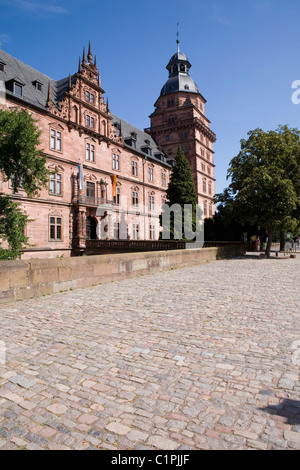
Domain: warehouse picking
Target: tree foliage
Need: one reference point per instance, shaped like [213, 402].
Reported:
[20, 157]
[265, 181]
[22, 162]
[12, 225]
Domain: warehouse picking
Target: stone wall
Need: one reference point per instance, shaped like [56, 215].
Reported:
[36, 277]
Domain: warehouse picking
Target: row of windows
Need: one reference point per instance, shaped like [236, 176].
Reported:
[183, 135]
[55, 188]
[55, 230]
[135, 231]
[56, 144]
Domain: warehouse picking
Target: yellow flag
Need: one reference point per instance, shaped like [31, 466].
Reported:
[114, 185]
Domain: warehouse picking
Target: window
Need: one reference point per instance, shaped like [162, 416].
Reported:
[55, 140]
[135, 231]
[90, 97]
[204, 185]
[56, 184]
[116, 230]
[209, 188]
[167, 138]
[18, 90]
[2, 66]
[163, 179]
[170, 103]
[55, 228]
[134, 168]
[150, 174]
[117, 196]
[90, 190]
[87, 120]
[152, 232]
[92, 122]
[20, 184]
[151, 202]
[135, 198]
[116, 161]
[172, 120]
[90, 152]
[184, 135]
[205, 208]
[210, 209]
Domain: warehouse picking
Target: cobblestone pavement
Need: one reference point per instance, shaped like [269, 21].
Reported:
[203, 357]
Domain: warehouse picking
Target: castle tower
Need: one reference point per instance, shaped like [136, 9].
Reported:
[179, 120]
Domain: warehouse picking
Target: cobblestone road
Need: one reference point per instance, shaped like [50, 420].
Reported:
[206, 357]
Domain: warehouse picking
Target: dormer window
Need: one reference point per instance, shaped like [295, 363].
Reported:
[18, 89]
[2, 66]
[38, 85]
[147, 150]
[15, 85]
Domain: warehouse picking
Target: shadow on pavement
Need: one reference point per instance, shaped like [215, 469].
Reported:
[290, 409]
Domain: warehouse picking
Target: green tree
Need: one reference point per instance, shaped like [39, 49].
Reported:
[182, 199]
[265, 181]
[22, 162]
[12, 224]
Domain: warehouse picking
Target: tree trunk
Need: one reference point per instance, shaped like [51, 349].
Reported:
[282, 241]
[268, 248]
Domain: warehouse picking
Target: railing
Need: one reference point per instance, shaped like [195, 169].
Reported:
[93, 201]
[127, 246]
[94, 247]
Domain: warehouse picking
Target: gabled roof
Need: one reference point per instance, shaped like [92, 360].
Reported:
[15, 70]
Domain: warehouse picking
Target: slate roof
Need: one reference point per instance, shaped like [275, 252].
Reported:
[15, 70]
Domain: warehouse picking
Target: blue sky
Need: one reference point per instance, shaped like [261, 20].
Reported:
[245, 55]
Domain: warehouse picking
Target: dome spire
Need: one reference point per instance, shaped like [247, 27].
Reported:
[177, 41]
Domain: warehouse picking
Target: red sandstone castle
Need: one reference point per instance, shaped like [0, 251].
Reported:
[108, 179]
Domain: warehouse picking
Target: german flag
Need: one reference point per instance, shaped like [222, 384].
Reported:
[114, 185]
